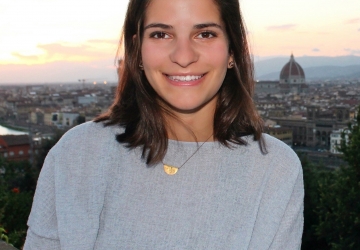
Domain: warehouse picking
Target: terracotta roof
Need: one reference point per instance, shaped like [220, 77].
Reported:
[14, 140]
[292, 70]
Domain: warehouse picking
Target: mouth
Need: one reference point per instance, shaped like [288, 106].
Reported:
[185, 78]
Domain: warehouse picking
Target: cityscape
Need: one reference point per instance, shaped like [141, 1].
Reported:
[308, 116]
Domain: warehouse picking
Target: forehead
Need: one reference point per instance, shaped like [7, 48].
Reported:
[182, 12]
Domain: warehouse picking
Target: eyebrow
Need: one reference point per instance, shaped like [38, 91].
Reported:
[158, 25]
[197, 26]
[207, 25]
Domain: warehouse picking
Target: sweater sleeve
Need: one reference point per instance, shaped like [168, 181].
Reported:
[289, 233]
[42, 222]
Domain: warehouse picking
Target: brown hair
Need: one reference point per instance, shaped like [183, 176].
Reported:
[135, 107]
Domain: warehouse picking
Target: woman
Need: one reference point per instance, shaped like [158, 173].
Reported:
[179, 161]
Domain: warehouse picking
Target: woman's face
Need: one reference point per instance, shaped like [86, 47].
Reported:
[185, 52]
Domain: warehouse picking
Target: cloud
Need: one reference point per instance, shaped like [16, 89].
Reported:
[102, 41]
[284, 27]
[71, 52]
[52, 52]
[359, 29]
[352, 51]
[352, 21]
[315, 50]
[25, 58]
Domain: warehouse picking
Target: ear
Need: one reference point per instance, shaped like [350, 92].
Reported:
[231, 62]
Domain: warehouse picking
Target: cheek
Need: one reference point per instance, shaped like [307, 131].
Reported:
[151, 60]
[151, 55]
[217, 54]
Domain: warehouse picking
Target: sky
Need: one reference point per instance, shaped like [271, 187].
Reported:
[48, 40]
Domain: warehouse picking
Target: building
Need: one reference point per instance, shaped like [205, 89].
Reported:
[64, 119]
[335, 140]
[292, 73]
[87, 100]
[15, 147]
[37, 116]
[291, 80]
[283, 134]
[314, 130]
[267, 87]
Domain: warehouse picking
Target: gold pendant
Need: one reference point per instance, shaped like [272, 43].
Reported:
[170, 170]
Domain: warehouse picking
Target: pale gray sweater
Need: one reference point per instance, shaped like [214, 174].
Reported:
[94, 193]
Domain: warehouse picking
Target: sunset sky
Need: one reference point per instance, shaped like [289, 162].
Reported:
[38, 32]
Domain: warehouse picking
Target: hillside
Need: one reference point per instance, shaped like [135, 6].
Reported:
[314, 67]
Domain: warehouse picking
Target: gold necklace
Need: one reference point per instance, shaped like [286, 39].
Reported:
[171, 170]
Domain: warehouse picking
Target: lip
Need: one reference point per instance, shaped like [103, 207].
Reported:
[185, 83]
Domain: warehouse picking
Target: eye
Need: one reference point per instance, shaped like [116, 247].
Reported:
[206, 34]
[159, 35]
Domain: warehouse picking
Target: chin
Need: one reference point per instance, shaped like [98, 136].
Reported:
[186, 108]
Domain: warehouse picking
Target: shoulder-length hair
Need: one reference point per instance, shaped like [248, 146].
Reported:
[135, 107]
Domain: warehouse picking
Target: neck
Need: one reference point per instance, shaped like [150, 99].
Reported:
[191, 127]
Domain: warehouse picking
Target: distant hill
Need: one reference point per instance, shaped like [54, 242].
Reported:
[61, 71]
[323, 72]
[314, 67]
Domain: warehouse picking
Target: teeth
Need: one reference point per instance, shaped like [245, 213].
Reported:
[185, 78]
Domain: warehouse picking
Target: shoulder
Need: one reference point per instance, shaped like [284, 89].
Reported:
[87, 136]
[90, 129]
[277, 157]
[74, 177]
[272, 147]
[277, 148]
[86, 147]
[84, 152]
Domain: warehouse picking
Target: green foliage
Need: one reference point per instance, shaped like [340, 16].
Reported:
[19, 175]
[17, 184]
[312, 176]
[332, 198]
[338, 208]
[3, 235]
[17, 238]
[15, 214]
[16, 210]
[45, 148]
[80, 119]
[351, 147]
[17, 187]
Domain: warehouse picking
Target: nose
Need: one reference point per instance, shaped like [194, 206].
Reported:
[184, 52]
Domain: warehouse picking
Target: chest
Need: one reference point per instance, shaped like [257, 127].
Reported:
[206, 205]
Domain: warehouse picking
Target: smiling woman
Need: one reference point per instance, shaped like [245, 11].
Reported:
[185, 58]
[179, 161]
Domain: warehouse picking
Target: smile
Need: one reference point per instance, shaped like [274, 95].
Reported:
[187, 78]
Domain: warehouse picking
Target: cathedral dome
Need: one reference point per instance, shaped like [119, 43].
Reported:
[292, 72]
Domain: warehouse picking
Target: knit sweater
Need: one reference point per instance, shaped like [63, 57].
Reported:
[94, 193]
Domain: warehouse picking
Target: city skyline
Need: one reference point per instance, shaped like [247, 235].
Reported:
[42, 33]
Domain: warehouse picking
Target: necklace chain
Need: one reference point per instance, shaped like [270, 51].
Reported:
[171, 170]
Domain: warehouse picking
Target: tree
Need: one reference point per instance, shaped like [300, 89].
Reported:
[339, 206]
[17, 184]
[351, 147]
[80, 119]
[313, 175]
[17, 187]
[46, 145]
